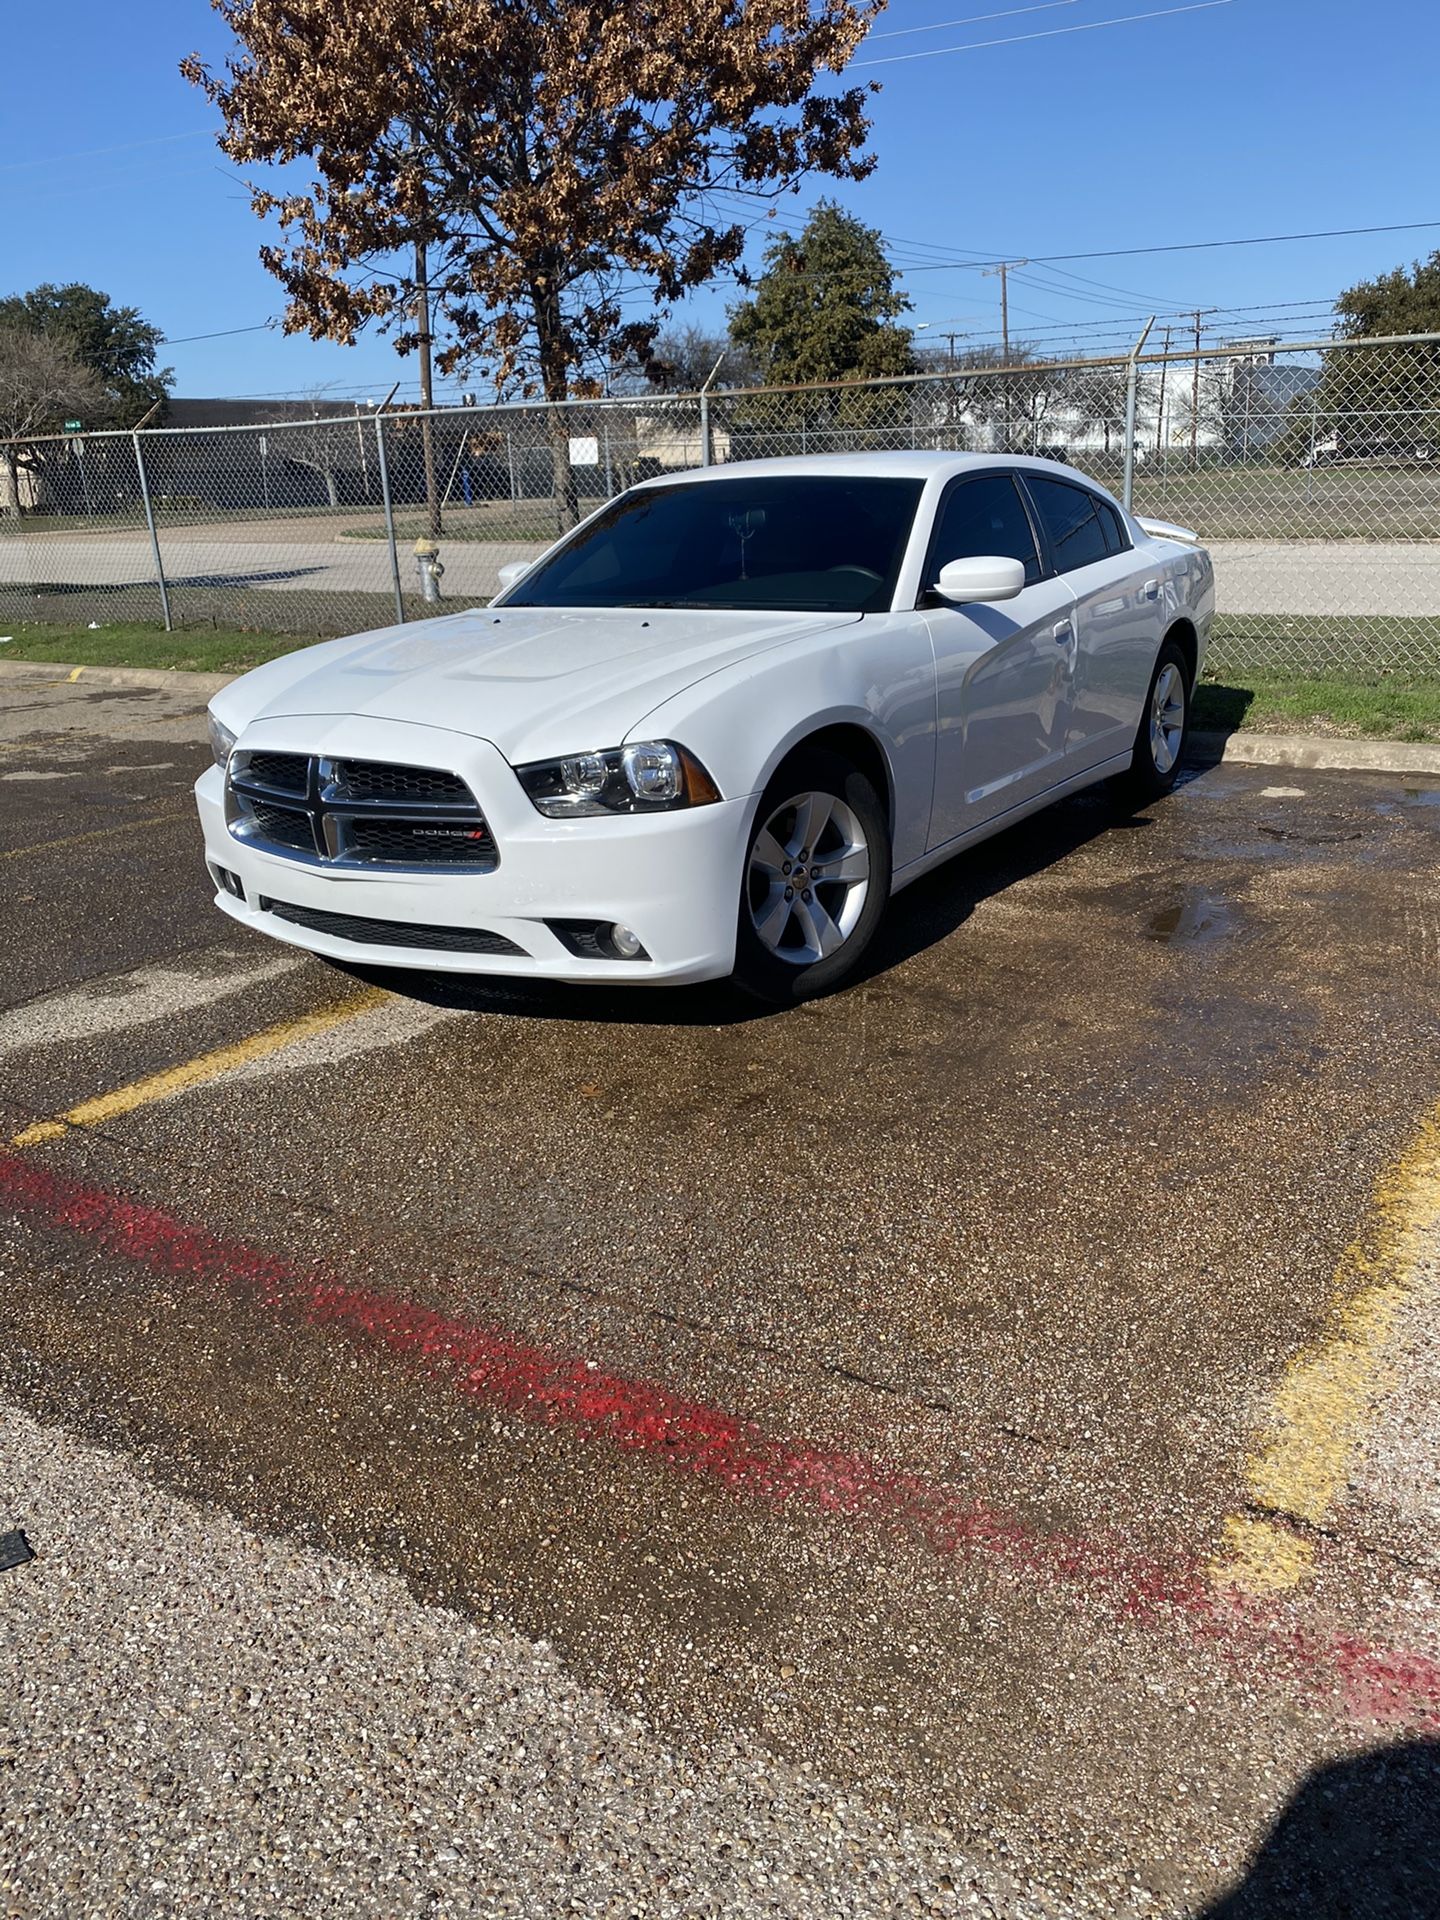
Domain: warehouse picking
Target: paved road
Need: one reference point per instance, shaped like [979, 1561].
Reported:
[1276, 577]
[848, 1423]
[292, 559]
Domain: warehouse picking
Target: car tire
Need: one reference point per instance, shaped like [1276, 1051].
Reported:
[1164, 727]
[810, 903]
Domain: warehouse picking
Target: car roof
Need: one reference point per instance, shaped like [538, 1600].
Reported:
[904, 464]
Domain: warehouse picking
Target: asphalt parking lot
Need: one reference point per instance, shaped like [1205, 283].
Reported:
[967, 1445]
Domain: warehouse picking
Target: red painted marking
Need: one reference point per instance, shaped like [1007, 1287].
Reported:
[489, 1364]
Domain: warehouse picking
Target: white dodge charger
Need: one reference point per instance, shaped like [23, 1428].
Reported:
[713, 729]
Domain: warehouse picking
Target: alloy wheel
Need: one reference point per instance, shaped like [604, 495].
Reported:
[1167, 718]
[808, 878]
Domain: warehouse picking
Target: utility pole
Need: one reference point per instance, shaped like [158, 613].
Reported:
[1200, 313]
[949, 339]
[427, 396]
[1005, 268]
[1160, 411]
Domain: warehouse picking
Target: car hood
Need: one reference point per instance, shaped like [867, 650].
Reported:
[532, 680]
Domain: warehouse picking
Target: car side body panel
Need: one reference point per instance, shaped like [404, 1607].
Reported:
[1119, 625]
[1003, 678]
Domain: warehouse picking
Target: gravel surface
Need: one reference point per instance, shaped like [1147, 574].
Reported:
[202, 1721]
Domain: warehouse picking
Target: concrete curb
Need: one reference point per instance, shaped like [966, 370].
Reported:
[1317, 754]
[141, 679]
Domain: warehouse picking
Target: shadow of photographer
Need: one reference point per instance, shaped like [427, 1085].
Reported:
[1358, 1840]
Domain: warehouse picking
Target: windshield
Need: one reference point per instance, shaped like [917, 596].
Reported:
[804, 542]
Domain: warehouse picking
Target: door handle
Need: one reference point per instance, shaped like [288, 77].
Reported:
[1151, 590]
[1065, 633]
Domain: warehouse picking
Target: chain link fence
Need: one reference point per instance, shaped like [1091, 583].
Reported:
[1312, 473]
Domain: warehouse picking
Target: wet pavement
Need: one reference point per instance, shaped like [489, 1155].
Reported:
[873, 1383]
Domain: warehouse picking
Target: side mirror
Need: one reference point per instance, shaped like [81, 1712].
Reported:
[984, 577]
[512, 571]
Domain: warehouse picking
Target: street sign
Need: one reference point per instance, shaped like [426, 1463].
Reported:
[73, 426]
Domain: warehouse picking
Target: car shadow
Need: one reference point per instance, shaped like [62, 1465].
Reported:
[937, 905]
[1221, 709]
[1358, 1840]
[925, 913]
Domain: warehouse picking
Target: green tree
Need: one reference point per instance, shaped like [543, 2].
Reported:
[1401, 301]
[826, 306]
[1377, 401]
[116, 344]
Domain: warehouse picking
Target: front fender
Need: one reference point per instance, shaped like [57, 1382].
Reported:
[878, 675]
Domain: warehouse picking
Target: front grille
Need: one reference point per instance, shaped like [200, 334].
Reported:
[392, 933]
[374, 780]
[285, 826]
[356, 813]
[286, 772]
[414, 843]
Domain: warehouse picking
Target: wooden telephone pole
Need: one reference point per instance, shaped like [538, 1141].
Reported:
[1005, 268]
[1160, 411]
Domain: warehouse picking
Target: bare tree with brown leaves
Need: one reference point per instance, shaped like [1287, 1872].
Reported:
[41, 380]
[512, 170]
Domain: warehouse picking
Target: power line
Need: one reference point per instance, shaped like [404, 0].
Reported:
[971, 19]
[1283, 312]
[980, 262]
[1182, 246]
[1048, 33]
[1092, 297]
[225, 333]
[96, 153]
[1131, 293]
[1080, 295]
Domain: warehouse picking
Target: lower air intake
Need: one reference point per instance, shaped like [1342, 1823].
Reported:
[391, 933]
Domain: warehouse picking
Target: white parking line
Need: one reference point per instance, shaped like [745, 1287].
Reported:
[121, 1001]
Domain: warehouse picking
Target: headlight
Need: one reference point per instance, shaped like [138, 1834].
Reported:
[653, 776]
[221, 739]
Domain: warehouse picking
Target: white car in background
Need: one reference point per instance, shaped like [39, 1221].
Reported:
[713, 729]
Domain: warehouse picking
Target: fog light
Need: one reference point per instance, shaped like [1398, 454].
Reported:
[229, 881]
[598, 939]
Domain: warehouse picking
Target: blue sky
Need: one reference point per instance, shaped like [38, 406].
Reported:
[1251, 117]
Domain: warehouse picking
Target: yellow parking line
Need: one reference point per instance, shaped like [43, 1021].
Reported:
[73, 675]
[1319, 1410]
[194, 1073]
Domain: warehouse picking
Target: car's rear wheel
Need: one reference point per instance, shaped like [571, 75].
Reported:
[817, 877]
[1164, 725]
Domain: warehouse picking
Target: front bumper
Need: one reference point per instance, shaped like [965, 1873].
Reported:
[672, 877]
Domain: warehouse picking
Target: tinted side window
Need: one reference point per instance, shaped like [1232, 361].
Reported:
[1071, 517]
[984, 516]
[1117, 540]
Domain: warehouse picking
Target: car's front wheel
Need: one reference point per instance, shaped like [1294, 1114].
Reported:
[817, 877]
